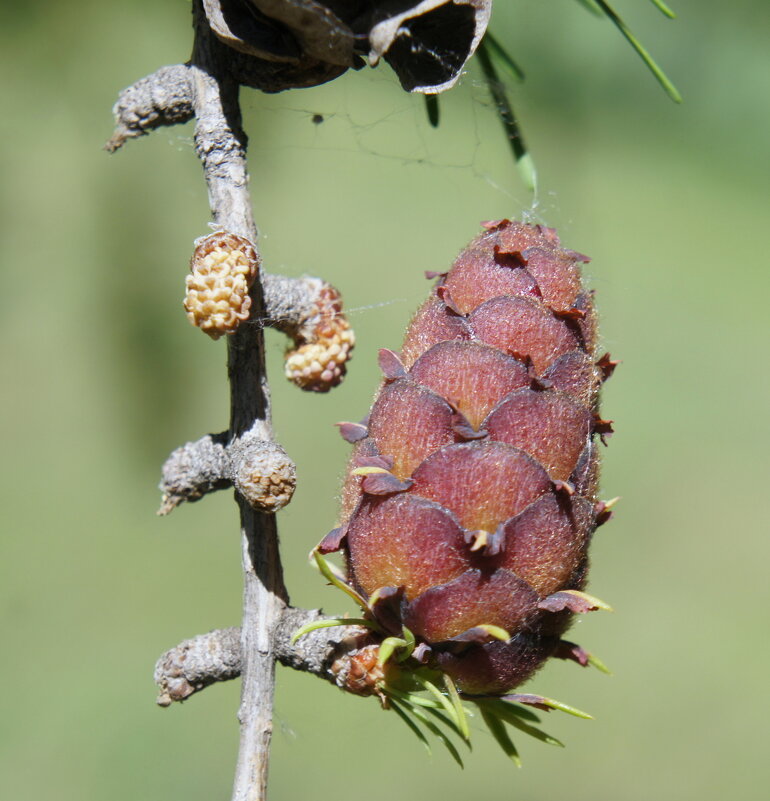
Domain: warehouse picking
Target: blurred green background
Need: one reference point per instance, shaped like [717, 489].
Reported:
[103, 377]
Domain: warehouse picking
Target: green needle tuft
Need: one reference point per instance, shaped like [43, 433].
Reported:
[541, 702]
[594, 661]
[497, 730]
[457, 718]
[412, 698]
[661, 76]
[328, 573]
[388, 647]
[504, 56]
[502, 709]
[410, 640]
[434, 729]
[507, 117]
[570, 710]
[454, 697]
[663, 8]
[333, 621]
[533, 732]
[411, 724]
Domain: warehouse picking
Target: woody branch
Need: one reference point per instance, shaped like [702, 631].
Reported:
[206, 90]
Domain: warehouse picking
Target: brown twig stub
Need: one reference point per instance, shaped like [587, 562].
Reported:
[290, 302]
[163, 98]
[196, 663]
[193, 470]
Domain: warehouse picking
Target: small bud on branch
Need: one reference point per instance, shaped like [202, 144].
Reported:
[259, 469]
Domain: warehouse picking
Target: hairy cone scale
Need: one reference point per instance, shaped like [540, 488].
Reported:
[471, 493]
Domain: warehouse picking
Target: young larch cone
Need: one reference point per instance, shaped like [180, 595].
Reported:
[222, 269]
[470, 498]
[325, 340]
[360, 671]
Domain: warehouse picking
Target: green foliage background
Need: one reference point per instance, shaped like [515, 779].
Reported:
[103, 376]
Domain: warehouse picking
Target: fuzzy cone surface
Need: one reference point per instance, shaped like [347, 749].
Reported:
[471, 492]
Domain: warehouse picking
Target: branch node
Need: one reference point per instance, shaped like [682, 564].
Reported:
[329, 653]
[262, 472]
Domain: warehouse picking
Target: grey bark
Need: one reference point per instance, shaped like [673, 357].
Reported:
[195, 469]
[209, 658]
[196, 663]
[212, 462]
[259, 469]
[220, 144]
[163, 98]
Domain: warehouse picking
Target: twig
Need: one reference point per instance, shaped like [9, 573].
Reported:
[210, 658]
[246, 456]
[259, 469]
[196, 663]
[220, 143]
[163, 98]
[194, 470]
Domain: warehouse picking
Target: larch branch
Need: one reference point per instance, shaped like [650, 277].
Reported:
[220, 144]
[214, 657]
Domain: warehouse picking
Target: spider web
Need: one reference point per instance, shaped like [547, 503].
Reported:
[368, 114]
[365, 119]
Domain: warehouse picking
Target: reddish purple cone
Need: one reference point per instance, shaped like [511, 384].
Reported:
[472, 487]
